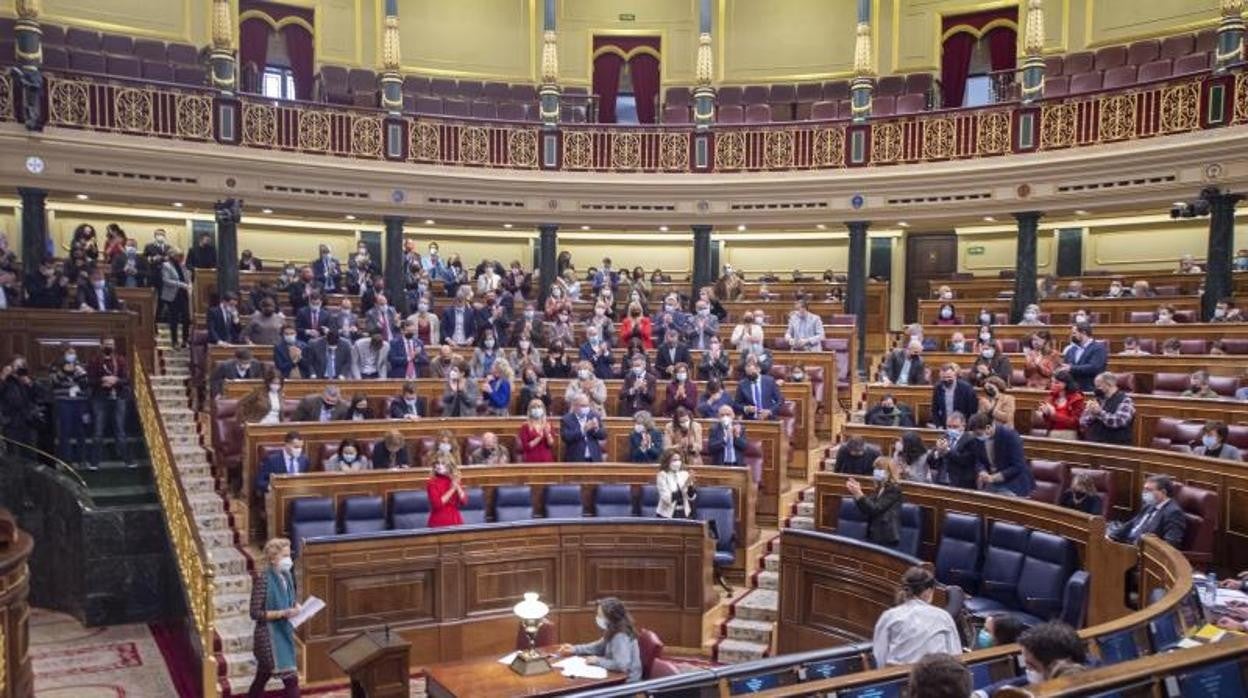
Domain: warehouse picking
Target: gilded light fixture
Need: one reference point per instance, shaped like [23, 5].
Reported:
[224, 65]
[550, 57]
[28, 10]
[1033, 45]
[705, 63]
[863, 84]
[703, 92]
[1230, 49]
[862, 51]
[391, 82]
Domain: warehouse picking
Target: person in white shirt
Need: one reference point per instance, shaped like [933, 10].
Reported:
[748, 331]
[805, 331]
[675, 484]
[907, 632]
[370, 356]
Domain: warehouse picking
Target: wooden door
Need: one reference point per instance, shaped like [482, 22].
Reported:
[929, 258]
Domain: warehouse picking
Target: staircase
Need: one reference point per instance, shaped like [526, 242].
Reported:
[750, 631]
[230, 564]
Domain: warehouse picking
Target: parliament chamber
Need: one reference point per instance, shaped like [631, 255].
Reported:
[853, 348]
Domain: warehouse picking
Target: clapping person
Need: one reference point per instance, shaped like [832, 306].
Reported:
[484, 355]
[638, 392]
[727, 441]
[460, 396]
[597, 353]
[676, 487]
[587, 384]
[645, 444]
[636, 324]
[883, 506]
[536, 440]
[496, 389]
[1062, 407]
[715, 398]
[1040, 360]
[683, 434]
[758, 395]
[581, 431]
[703, 327]
[129, 267]
[557, 364]
[671, 353]
[533, 386]
[681, 392]
[913, 457]
[446, 495]
[288, 355]
[714, 362]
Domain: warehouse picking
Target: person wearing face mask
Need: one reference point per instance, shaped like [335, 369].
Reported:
[684, 435]
[129, 267]
[952, 394]
[1085, 357]
[645, 443]
[303, 285]
[677, 491]
[1031, 316]
[914, 627]
[1049, 650]
[330, 356]
[1004, 468]
[944, 293]
[1116, 291]
[1165, 316]
[408, 405]
[224, 326]
[1083, 495]
[914, 458]
[382, 317]
[359, 409]
[69, 389]
[348, 458]
[288, 460]
[46, 287]
[887, 413]
[242, 367]
[490, 452]
[990, 362]
[1074, 290]
[997, 402]
[1213, 443]
[109, 377]
[883, 506]
[265, 325]
[524, 355]
[905, 366]
[486, 351]
[407, 358]
[618, 649]
[958, 344]
[714, 362]
[536, 440]
[1198, 387]
[582, 432]
[636, 324]
[639, 390]
[1110, 417]
[947, 315]
[715, 398]
[681, 391]
[326, 407]
[985, 337]
[805, 331]
[1159, 514]
[533, 386]
[390, 453]
[274, 601]
[248, 261]
[97, 294]
[999, 629]
[958, 455]
[370, 357]
[557, 364]
[758, 394]
[461, 396]
[460, 323]
[496, 389]
[703, 327]
[175, 295]
[670, 316]
[263, 405]
[855, 457]
[313, 319]
[289, 354]
[1225, 311]
[727, 442]
[327, 270]
[1040, 360]
[446, 494]
[671, 353]
[155, 252]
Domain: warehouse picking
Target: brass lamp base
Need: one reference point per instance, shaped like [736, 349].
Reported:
[530, 663]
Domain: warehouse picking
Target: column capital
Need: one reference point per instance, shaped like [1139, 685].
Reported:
[858, 226]
[391, 220]
[1026, 216]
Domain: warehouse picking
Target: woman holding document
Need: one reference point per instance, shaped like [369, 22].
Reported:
[617, 650]
[273, 604]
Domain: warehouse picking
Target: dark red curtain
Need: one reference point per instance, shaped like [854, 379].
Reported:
[301, 51]
[1002, 48]
[607, 67]
[955, 65]
[253, 42]
[645, 71]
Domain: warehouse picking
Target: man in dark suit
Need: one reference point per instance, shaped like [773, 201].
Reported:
[241, 367]
[597, 351]
[727, 441]
[97, 294]
[313, 319]
[670, 353]
[326, 407]
[288, 461]
[959, 455]
[407, 354]
[284, 359]
[1007, 470]
[1159, 515]
[155, 253]
[952, 394]
[639, 389]
[581, 431]
[224, 326]
[408, 406]
[1085, 357]
[459, 323]
[330, 356]
[758, 395]
[302, 288]
[326, 270]
[905, 366]
[129, 267]
[855, 457]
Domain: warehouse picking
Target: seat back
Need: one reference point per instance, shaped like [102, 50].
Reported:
[1003, 562]
[755, 94]
[890, 86]
[728, 96]
[1111, 57]
[650, 646]
[474, 511]
[310, 517]
[836, 90]
[911, 529]
[513, 503]
[1177, 46]
[1120, 76]
[715, 505]
[1142, 52]
[1085, 82]
[613, 500]
[885, 105]
[1224, 385]
[363, 514]
[758, 114]
[1192, 63]
[1189, 347]
[1075, 599]
[851, 522]
[1050, 477]
[564, 502]
[1058, 86]
[409, 509]
[958, 555]
[1156, 70]
[911, 103]
[1048, 563]
[1200, 507]
[182, 54]
[149, 50]
[730, 114]
[1079, 62]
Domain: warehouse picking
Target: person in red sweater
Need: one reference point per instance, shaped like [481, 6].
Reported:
[536, 439]
[446, 496]
[1062, 408]
[637, 325]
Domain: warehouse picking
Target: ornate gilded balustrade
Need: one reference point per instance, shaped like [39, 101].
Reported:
[194, 567]
[1180, 105]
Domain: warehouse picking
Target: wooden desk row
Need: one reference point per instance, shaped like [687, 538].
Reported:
[988, 287]
[17, 676]
[1216, 365]
[1129, 467]
[285, 488]
[769, 434]
[38, 334]
[1112, 311]
[450, 591]
[1114, 333]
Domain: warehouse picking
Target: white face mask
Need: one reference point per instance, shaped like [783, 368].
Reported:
[444, 448]
[440, 469]
[602, 622]
[677, 465]
[682, 377]
[879, 474]
[285, 564]
[583, 374]
[349, 457]
[726, 421]
[639, 428]
[537, 414]
[1034, 677]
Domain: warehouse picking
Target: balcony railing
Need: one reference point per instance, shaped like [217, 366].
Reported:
[104, 104]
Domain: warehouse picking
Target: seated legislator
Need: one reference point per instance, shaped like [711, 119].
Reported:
[1159, 514]
[1198, 387]
[638, 392]
[409, 405]
[390, 452]
[1082, 495]
[939, 675]
[855, 457]
[287, 461]
[883, 506]
[1048, 649]
[263, 405]
[758, 395]
[359, 409]
[1085, 357]
[1225, 311]
[1109, 418]
[97, 294]
[887, 413]
[446, 496]
[645, 444]
[1006, 469]
[727, 440]
[991, 362]
[1131, 347]
[1213, 443]
[536, 439]
[490, 452]
[957, 344]
[618, 649]
[676, 488]
[715, 398]
[952, 394]
[242, 367]
[289, 357]
[348, 458]
[681, 392]
[905, 366]
[326, 407]
[1031, 316]
[947, 315]
[581, 431]
[914, 628]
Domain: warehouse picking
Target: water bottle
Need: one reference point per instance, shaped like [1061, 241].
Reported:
[1211, 582]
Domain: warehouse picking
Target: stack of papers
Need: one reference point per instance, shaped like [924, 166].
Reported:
[578, 668]
[1207, 634]
[311, 607]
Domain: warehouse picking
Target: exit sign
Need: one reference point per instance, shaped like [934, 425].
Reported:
[975, 251]
[628, 18]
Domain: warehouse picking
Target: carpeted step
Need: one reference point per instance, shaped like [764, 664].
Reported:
[190, 454]
[232, 584]
[217, 538]
[196, 483]
[231, 604]
[758, 631]
[235, 633]
[759, 604]
[166, 379]
[206, 503]
[737, 651]
[189, 438]
[807, 495]
[769, 580]
[802, 523]
[771, 562]
[228, 561]
[805, 508]
[216, 520]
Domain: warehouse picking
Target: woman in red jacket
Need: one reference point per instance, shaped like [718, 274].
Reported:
[536, 440]
[637, 325]
[1061, 409]
[446, 496]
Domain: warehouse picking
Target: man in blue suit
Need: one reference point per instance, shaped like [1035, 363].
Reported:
[407, 354]
[326, 270]
[758, 394]
[1006, 470]
[313, 319]
[952, 394]
[284, 360]
[581, 430]
[1085, 357]
[459, 323]
[224, 326]
[288, 461]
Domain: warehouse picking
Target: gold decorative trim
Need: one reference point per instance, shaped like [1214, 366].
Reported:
[1117, 118]
[627, 56]
[194, 116]
[522, 148]
[979, 33]
[366, 137]
[425, 141]
[133, 110]
[992, 133]
[829, 147]
[578, 150]
[1241, 98]
[277, 24]
[6, 96]
[886, 143]
[259, 125]
[1057, 126]
[730, 150]
[938, 139]
[4, 657]
[778, 150]
[674, 151]
[625, 150]
[1180, 107]
[68, 103]
[474, 145]
[314, 131]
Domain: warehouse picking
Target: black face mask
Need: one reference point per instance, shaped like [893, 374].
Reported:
[887, 409]
[1099, 393]
[948, 382]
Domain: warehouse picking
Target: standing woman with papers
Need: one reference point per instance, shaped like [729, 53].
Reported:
[273, 604]
[617, 649]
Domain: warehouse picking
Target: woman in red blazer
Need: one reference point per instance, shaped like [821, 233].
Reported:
[446, 496]
[638, 325]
